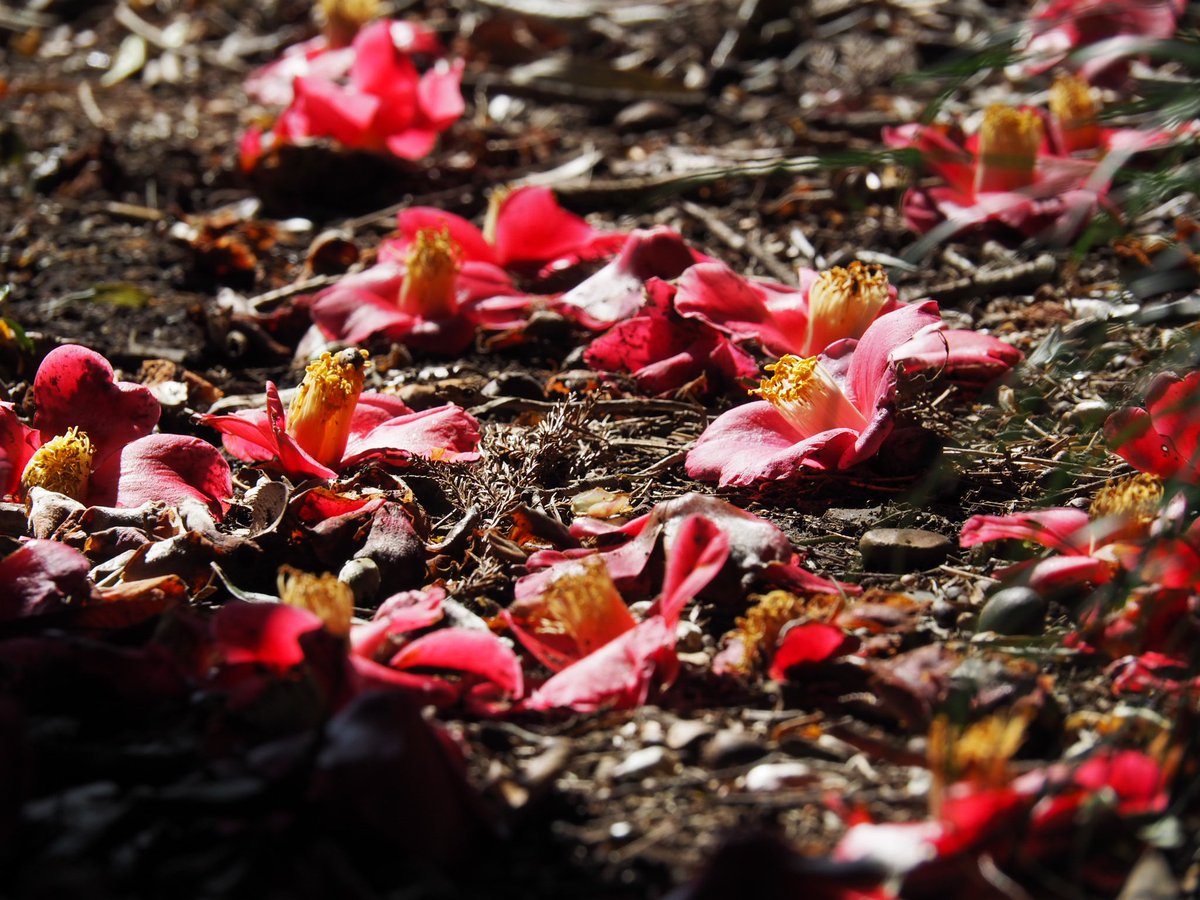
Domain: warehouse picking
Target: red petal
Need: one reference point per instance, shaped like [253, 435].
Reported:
[40, 576]
[1058, 528]
[264, 633]
[478, 652]
[532, 228]
[167, 467]
[448, 433]
[814, 642]
[697, 553]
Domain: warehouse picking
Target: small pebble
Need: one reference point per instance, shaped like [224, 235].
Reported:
[731, 748]
[686, 733]
[1089, 413]
[1015, 610]
[902, 549]
[646, 114]
[776, 776]
[642, 762]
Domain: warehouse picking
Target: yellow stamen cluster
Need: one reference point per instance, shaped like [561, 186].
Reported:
[808, 397]
[330, 600]
[1074, 113]
[582, 605]
[842, 302]
[980, 752]
[759, 629]
[1137, 499]
[431, 275]
[63, 464]
[1008, 146]
[319, 415]
[341, 19]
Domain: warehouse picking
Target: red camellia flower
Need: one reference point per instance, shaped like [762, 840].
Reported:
[830, 411]
[91, 440]
[1056, 27]
[433, 300]
[332, 424]
[1164, 437]
[371, 98]
[526, 232]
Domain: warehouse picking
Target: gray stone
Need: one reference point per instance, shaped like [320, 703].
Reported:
[1015, 610]
[642, 762]
[902, 549]
[731, 748]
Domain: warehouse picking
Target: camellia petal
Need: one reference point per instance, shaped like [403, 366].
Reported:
[42, 576]
[458, 649]
[171, 468]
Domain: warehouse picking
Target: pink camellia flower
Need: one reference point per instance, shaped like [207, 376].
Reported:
[1164, 437]
[1004, 173]
[332, 424]
[1057, 27]
[831, 411]
[579, 626]
[526, 232]
[433, 300]
[666, 352]
[385, 103]
[91, 440]
[828, 306]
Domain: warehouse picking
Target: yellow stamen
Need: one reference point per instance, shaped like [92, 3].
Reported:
[319, 416]
[582, 605]
[496, 201]
[808, 397]
[759, 629]
[842, 302]
[343, 18]
[1074, 113]
[1135, 499]
[1008, 146]
[431, 275]
[332, 601]
[63, 464]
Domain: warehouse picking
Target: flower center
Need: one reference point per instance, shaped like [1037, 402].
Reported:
[432, 267]
[1074, 113]
[63, 464]
[319, 416]
[759, 629]
[581, 608]
[807, 396]
[1133, 503]
[1008, 146]
[842, 302]
[330, 600]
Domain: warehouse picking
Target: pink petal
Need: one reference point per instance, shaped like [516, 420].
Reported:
[74, 386]
[775, 315]
[1060, 529]
[18, 442]
[412, 142]
[619, 675]
[292, 459]
[418, 218]
[959, 354]
[40, 577]
[478, 652]
[169, 468]
[1174, 405]
[324, 109]
[870, 374]
[814, 642]
[399, 614]
[532, 228]
[439, 95]
[448, 433]
[379, 67]
[246, 435]
[264, 633]
[698, 552]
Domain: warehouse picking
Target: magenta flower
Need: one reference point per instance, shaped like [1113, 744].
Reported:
[1057, 27]
[526, 233]
[831, 411]
[91, 440]
[666, 352]
[331, 424]
[1164, 437]
[373, 98]
[433, 301]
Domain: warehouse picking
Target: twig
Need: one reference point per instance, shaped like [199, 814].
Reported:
[738, 243]
[987, 282]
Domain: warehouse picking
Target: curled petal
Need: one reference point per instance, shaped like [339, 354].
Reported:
[445, 433]
[478, 652]
[1061, 529]
[171, 468]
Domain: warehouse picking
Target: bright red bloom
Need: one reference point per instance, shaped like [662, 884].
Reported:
[831, 411]
[1056, 27]
[1164, 437]
[385, 103]
[91, 439]
[331, 425]
[666, 352]
[433, 301]
[526, 231]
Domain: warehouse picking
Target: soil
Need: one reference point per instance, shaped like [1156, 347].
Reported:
[128, 226]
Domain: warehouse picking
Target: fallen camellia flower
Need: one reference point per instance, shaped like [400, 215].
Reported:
[433, 300]
[828, 306]
[831, 411]
[91, 440]
[1164, 437]
[579, 626]
[665, 352]
[1004, 174]
[526, 233]
[1057, 27]
[331, 424]
[42, 576]
[371, 97]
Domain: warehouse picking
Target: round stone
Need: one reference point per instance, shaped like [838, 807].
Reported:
[900, 550]
[1015, 610]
